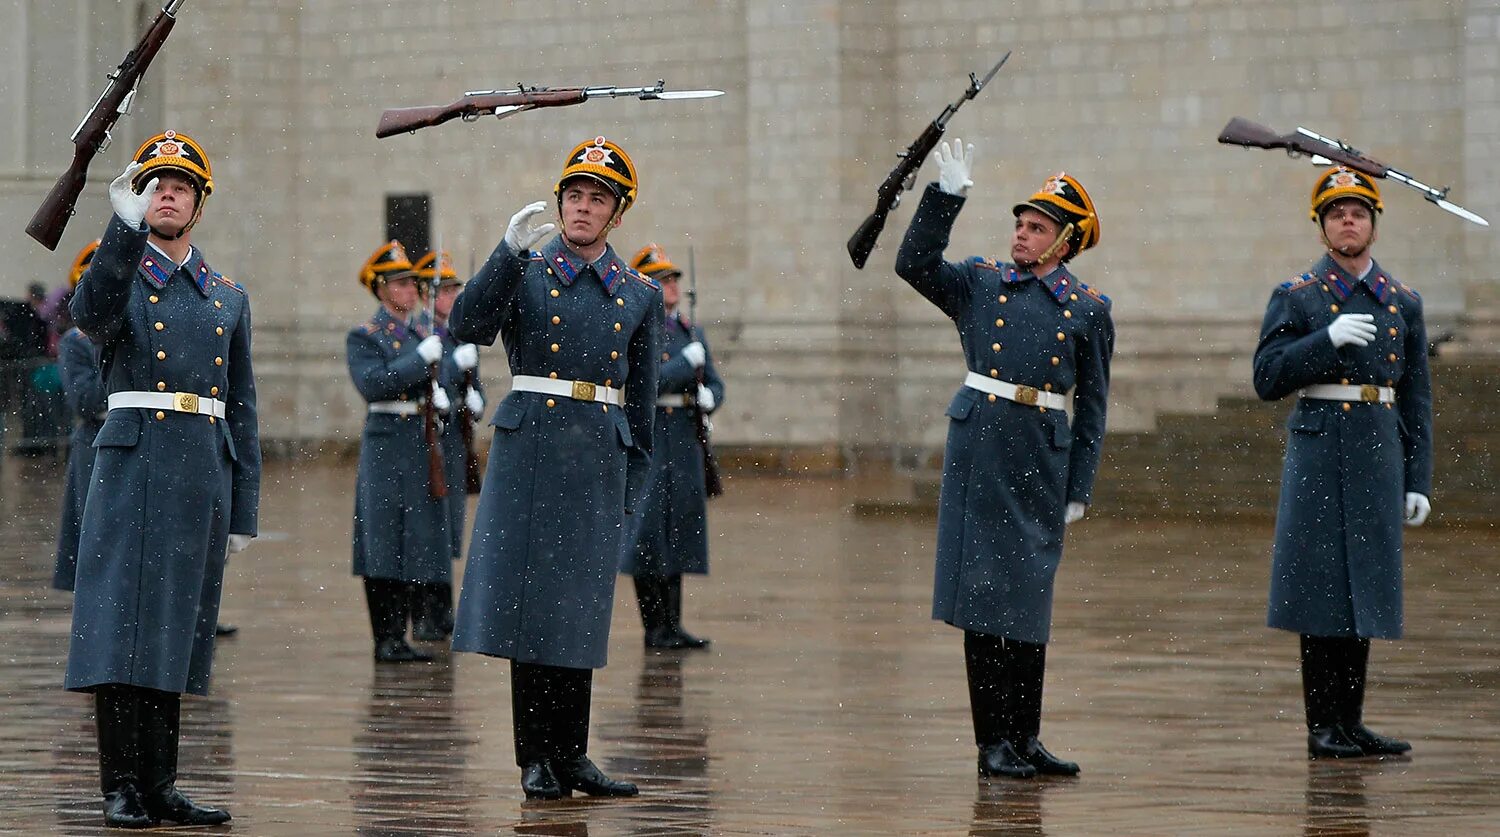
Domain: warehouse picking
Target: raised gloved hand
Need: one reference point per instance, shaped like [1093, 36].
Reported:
[239, 543]
[706, 398]
[955, 165]
[1352, 330]
[431, 348]
[440, 400]
[475, 402]
[1074, 513]
[695, 354]
[466, 356]
[521, 235]
[125, 202]
[1417, 508]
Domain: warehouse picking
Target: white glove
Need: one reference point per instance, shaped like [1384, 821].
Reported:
[695, 354]
[475, 402]
[239, 543]
[440, 400]
[520, 235]
[1074, 513]
[706, 398]
[1352, 330]
[125, 202]
[431, 348]
[466, 356]
[1417, 508]
[954, 167]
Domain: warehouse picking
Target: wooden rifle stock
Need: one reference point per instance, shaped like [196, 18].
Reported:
[471, 106]
[92, 136]
[1249, 134]
[473, 478]
[713, 484]
[437, 478]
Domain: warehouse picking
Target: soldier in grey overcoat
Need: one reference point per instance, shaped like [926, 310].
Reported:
[569, 459]
[400, 518]
[83, 392]
[667, 537]
[458, 374]
[1349, 341]
[176, 477]
[1015, 470]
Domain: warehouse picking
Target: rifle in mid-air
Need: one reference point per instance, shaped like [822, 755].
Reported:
[713, 484]
[503, 103]
[904, 175]
[437, 475]
[1326, 151]
[92, 135]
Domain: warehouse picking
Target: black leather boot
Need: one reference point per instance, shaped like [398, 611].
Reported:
[117, 721]
[426, 620]
[1026, 671]
[580, 774]
[1045, 763]
[388, 602]
[160, 726]
[1003, 760]
[1355, 660]
[573, 696]
[1322, 699]
[651, 595]
[532, 716]
[674, 616]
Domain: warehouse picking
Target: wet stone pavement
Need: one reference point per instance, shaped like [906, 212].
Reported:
[829, 704]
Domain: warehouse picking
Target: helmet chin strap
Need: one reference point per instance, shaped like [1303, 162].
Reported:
[1057, 244]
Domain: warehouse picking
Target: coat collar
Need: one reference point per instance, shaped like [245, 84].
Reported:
[1342, 284]
[567, 266]
[157, 269]
[385, 323]
[1059, 283]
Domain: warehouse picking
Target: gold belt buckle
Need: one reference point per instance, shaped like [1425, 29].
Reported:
[1369, 392]
[187, 402]
[583, 390]
[1026, 395]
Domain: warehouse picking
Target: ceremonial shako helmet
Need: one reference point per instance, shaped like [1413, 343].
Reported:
[605, 162]
[387, 262]
[81, 262]
[652, 261]
[171, 151]
[1344, 182]
[446, 275]
[1063, 199]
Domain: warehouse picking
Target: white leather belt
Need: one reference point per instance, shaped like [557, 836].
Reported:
[1349, 392]
[396, 408]
[178, 402]
[1019, 393]
[578, 390]
[675, 399]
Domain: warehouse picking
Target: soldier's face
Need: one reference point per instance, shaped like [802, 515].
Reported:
[587, 208]
[1034, 233]
[172, 206]
[1349, 226]
[669, 291]
[444, 302]
[400, 293]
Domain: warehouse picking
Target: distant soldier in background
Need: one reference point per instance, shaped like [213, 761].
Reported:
[668, 534]
[458, 374]
[1350, 342]
[400, 529]
[83, 390]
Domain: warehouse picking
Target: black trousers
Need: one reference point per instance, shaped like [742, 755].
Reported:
[138, 731]
[550, 711]
[1333, 680]
[390, 603]
[1005, 688]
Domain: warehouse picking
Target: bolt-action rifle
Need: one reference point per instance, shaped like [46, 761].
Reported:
[904, 175]
[437, 475]
[503, 103]
[713, 484]
[92, 134]
[1326, 151]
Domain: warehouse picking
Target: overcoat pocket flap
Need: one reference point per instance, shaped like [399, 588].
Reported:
[623, 427]
[962, 403]
[229, 447]
[120, 430]
[509, 414]
[1305, 421]
[1062, 435]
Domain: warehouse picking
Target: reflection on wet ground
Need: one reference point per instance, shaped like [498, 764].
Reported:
[830, 703]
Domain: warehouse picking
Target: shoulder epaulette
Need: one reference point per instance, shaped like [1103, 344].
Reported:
[536, 257]
[371, 328]
[649, 282]
[1300, 282]
[1410, 291]
[984, 262]
[229, 283]
[1093, 292]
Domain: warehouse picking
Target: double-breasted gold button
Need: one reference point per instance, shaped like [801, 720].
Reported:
[620, 302]
[551, 403]
[1334, 308]
[160, 415]
[160, 325]
[992, 398]
[1056, 360]
[994, 347]
[219, 331]
[1344, 381]
[552, 375]
[556, 347]
[218, 304]
[554, 293]
[618, 326]
[1067, 315]
[616, 356]
[218, 361]
[396, 344]
[1347, 408]
[161, 386]
[1392, 331]
[1000, 323]
[1391, 357]
[994, 373]
[1073, 297]
[605, 406]
[1061, 337]
[213, 391]
[161, 355]
[556, 319]
[664, 355]
[1391, 309]
[154, 299]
